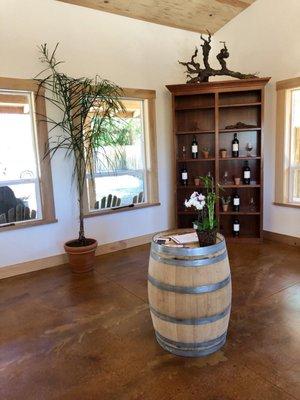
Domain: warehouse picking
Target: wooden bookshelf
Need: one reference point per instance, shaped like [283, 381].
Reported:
[204, 111]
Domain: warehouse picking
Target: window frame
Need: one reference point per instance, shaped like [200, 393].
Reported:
[150, 149]
[43, 162]
[283, 157]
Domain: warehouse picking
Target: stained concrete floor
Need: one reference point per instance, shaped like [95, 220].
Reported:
[90, 337]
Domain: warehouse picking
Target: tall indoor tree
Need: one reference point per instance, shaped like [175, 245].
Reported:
[84, 107]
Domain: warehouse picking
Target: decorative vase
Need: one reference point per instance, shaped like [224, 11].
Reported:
[237, 181]
[225, 207]
[207, 238]
[223, 153]
[205, 154]
[197, 181]
[81, 258]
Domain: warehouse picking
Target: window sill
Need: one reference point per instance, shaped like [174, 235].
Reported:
[26, 224]
[291, 205]
[114, 211]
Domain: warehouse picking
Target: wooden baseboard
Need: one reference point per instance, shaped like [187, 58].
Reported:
[60, 259]
[278, 237]
[123, 244]
[31, 266]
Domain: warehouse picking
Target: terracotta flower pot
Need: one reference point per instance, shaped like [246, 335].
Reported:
[81, 258]
[205, 154]
[225, 207]
[237, 181]
[197, 181]
[223, 153]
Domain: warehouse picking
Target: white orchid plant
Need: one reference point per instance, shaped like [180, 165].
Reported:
[196, 200]
[205, 205]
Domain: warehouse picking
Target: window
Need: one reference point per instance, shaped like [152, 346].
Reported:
[294, 159]
[126, 160]
[24, 175]
[287, 183]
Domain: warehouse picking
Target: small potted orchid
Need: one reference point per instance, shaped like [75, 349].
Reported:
[225, 202]
[206, 224]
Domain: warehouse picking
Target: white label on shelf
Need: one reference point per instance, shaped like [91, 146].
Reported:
[236, 227]
[235, 147]
[194, 148]
[247, 174]
[184, 176]
[236, 202]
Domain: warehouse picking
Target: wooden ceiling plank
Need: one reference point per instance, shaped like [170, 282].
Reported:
[192, 15]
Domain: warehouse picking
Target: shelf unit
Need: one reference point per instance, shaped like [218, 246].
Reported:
[205, 111]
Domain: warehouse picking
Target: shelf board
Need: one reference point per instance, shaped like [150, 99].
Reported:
[187, 108]
[194, 132]
[193, 187]
[183, 160]
[240, 158]
[222, 213]
[240, 186]
[239, 105]
[243, 212]
[186, 212]
[256, 128]
[180, 187]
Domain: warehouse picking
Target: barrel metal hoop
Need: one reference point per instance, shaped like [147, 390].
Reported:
[191, 321]
[192, 345]
[196, 251]
[189, 263]
[189, 289]
[193, 352]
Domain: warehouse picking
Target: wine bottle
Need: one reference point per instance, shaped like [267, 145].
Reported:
[184, 176]
[236, 227]
[235, 146]
[236, 202]
[246, 174]
[183, 152]
[194, 148]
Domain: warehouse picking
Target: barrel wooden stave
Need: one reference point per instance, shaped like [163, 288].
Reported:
[182, 333]
[190, 303]
[195, 276]
[179, 305]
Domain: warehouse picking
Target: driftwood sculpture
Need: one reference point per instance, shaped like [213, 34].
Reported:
[203, 74]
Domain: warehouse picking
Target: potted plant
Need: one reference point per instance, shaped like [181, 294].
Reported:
[223, 153]
[237, 180]
[197, 181]
[205, 152]
[206, 224]
[80, 135]
[225, 203]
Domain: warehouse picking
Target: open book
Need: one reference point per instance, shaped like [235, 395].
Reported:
[185, 238]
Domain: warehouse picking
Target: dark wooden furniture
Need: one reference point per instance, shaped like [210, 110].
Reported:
[139, 198]
[108, 202]
[204, 111]
[17, 214]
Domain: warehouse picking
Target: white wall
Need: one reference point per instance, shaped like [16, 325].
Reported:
[265, 39]
[131, 53]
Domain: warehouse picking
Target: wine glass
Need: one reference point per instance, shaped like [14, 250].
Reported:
[249, 148]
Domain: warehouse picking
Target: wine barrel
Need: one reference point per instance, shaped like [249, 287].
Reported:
[189, 291]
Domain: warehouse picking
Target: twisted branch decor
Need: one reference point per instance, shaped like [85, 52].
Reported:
[202, 74]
